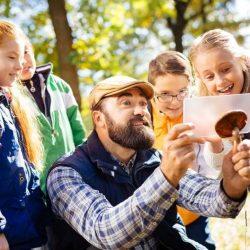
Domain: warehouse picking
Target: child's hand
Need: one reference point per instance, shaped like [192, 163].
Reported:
[215, 144]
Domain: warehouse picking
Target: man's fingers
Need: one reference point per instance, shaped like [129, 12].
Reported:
[177, 130]
[245, 172]
[183, 157]
[240, 155]
[242, 164]
[188, 158]
[185, 140]
[241, 161]
[182, 151]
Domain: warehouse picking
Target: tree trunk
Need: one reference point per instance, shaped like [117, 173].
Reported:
[64, 42]
[178, 26]
[178, 34]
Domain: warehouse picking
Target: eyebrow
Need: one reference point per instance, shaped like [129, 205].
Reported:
[13, 52]
[124, 94]
[170, 91]
[228, 62]
[207, 71]
[130, 95]
[221, 64]
[28, 49]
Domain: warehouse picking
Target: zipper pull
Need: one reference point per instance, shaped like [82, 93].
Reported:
[54, 133]
[1, 134]
[21, 178]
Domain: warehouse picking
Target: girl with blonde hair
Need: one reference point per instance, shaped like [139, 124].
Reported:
[221, 67]
[22, 209]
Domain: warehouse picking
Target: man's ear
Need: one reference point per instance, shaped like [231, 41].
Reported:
[98, 118]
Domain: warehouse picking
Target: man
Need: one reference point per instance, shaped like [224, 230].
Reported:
[115, 190]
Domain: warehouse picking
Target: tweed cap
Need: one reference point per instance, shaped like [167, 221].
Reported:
[115, 85]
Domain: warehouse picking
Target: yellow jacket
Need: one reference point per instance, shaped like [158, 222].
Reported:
[162, 125]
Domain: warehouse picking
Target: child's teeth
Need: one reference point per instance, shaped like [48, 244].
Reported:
[226, 89]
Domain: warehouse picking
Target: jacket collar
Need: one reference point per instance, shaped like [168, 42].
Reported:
[5, 97]
[101, 157]
[109, 165]
[44, 70]
[2, 96]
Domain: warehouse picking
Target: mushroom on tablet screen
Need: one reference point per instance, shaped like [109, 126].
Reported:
[230, 124]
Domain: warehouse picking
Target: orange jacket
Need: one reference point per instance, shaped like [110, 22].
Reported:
[162, 125]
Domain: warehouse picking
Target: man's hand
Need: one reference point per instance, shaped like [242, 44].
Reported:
[236, 171]
[178, 152]
[3, 242]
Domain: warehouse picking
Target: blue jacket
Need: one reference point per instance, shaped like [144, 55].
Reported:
[22, 208]
[95, 165]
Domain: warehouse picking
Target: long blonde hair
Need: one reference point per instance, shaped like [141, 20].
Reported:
[22, 106]
[220, 39]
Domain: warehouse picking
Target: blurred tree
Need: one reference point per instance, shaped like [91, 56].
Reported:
[64, 45]
[188, 12]
[107, 38]
[185, 18]
[104, 37]
[7, 8]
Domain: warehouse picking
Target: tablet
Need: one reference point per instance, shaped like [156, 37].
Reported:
[205, 111]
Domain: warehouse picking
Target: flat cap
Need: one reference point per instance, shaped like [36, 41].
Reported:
[115, 85]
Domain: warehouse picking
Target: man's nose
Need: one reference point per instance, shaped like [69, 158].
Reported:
[140, 110]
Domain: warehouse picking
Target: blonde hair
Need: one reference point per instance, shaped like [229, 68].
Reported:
[220, 39]
[8, 30]
[23, 106]
[169, 62]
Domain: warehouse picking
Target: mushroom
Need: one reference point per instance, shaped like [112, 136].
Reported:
[230, 124]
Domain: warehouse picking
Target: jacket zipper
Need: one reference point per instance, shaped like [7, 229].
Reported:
[18, 132]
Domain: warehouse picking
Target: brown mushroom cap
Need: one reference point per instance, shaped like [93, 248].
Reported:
[225, 125]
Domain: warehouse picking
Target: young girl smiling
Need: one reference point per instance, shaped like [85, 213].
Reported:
[222, 68]
[22, 209]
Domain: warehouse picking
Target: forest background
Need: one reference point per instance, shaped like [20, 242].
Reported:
[88, 40]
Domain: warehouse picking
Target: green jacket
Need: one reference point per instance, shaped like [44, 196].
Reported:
[62, 129]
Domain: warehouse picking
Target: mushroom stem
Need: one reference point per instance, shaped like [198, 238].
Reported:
[236, 139]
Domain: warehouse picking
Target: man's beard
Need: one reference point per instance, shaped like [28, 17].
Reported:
[131, 136]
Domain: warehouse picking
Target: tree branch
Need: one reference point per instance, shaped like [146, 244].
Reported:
[197, 14]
